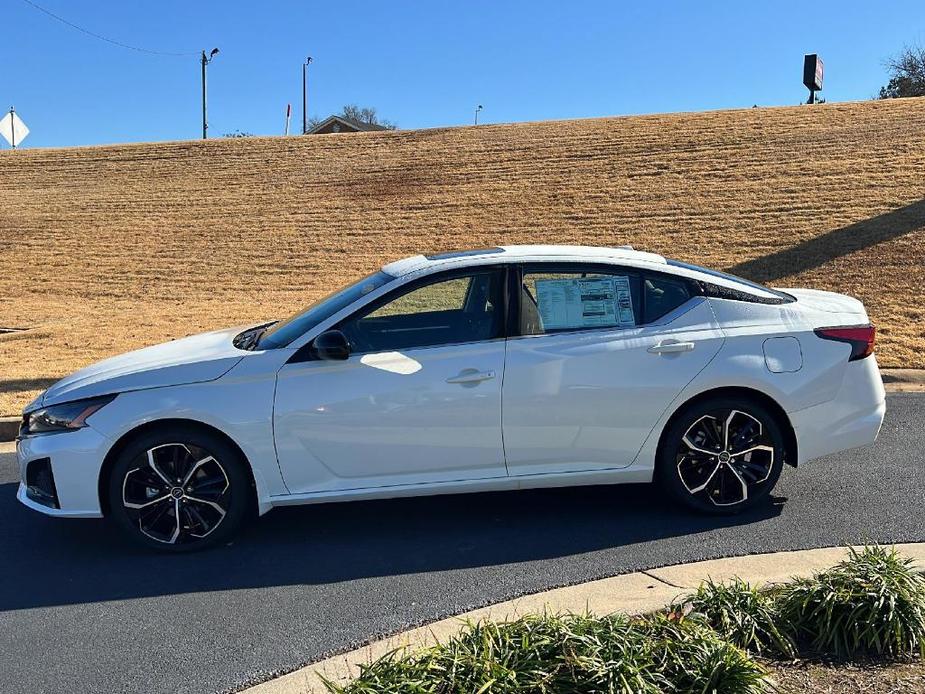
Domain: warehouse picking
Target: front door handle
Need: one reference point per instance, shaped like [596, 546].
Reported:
[471, 377]
[671, 347]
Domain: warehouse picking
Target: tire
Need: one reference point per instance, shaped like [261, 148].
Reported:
[214, 497]
[697, 467]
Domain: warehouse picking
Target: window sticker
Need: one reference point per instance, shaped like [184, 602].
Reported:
[587, 302]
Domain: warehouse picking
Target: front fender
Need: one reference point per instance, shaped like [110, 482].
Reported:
[240, 405]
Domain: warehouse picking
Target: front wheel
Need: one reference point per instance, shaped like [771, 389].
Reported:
[179, 489]
[721, 455]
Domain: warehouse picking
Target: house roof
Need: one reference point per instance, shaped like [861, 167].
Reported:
[349, 123]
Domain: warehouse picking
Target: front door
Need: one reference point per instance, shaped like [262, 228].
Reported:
[602, 354]
[418, 400]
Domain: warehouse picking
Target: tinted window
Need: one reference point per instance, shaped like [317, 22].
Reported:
[452, 310]
[578, 300]
[286, 331]
[782, 297]
[663, 295]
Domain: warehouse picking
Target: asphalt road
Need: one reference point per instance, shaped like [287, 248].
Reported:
[82, 612]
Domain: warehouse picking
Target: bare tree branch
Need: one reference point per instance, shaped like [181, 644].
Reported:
[907, 74]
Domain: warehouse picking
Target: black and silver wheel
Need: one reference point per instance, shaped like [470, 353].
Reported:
[179, 489]
[721, 455]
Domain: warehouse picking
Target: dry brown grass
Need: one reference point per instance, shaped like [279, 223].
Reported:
[105, 249]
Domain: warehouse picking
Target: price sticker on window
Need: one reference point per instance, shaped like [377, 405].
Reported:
[585, 302]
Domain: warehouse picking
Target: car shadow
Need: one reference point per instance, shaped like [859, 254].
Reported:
[834, 244]
[52, 561]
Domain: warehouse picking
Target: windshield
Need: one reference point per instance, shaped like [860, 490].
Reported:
[735, 278]
[284, 332]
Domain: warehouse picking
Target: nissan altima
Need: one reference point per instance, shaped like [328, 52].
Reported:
[494, 369]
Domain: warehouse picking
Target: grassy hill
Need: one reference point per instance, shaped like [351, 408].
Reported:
[104, 249]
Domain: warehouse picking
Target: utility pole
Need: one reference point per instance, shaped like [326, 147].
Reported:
[305, 65]
[477, 109]
[204, 61]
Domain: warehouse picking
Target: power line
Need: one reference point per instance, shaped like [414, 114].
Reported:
[106, 39]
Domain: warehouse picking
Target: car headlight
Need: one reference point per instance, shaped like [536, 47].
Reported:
[67, 416]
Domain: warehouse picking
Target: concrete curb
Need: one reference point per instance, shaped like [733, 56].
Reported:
[903, 380]
[9, 428]
[633, 593]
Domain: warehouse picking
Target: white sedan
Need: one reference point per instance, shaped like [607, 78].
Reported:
[495, 369]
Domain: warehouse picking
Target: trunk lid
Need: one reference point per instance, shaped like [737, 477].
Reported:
[835, 309]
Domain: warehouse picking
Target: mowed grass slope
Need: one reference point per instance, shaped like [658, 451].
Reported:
[105, 249]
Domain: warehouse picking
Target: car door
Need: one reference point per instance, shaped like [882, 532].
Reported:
[600, 354]
[417, 401]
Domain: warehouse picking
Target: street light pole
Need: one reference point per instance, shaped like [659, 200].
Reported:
[204, 61]
[477, 109]
[305, 94]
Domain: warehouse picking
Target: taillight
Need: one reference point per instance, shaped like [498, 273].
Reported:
[860, 337]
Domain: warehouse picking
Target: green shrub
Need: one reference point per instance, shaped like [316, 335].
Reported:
[547, 653]
[873, 603]
[568, 654]
[741, 614]
[696, 660]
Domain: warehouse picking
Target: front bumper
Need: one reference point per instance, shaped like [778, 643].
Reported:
[76, 458]
[850, 420]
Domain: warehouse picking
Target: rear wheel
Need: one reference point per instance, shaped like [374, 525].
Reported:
[721, 455]
[179, 489]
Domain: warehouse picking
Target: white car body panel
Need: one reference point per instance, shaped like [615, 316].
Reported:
[586, 407]
[368, 422]
[193, 359]
[574, 402]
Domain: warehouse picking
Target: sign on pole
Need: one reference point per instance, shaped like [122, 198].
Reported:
[13, 129]
[812, 75]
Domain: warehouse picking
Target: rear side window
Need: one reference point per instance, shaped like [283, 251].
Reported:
[662, 296]
[451, 310]
[578, 299]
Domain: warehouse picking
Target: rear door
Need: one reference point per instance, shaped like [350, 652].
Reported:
[418, 400]
[600, 354]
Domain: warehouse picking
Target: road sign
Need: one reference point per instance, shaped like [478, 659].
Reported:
[13, 129]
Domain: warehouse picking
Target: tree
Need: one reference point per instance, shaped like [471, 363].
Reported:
[907, 74]
[238, 133]
[365, 115]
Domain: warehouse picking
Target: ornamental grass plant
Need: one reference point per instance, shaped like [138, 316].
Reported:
[871, 604]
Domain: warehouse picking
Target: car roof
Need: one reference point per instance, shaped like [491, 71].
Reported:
[620, 255]
[519, 254]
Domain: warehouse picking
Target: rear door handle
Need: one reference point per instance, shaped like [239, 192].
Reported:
[671, 347]
[471, 377]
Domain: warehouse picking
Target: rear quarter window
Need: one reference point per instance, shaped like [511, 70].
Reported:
[662, 296]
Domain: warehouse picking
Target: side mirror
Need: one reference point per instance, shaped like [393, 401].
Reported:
[331, 346]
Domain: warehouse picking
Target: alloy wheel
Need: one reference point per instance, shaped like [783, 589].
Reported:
[176, 493]
[724, 455]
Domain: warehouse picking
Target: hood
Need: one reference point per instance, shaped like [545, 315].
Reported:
[827, 302]
[193, 359]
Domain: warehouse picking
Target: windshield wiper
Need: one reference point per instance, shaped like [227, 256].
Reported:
[249, 339]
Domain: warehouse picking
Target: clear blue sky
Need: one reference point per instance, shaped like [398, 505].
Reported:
[425, 64]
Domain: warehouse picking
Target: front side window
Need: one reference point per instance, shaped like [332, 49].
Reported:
[284, 332]
[449, 310]
[578, 300]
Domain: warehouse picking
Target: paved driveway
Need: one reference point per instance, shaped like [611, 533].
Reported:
[81, 612]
